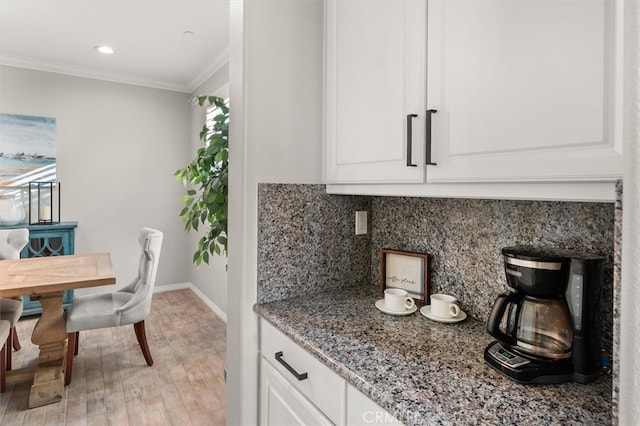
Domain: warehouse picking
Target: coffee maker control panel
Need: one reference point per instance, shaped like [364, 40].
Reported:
[506, 357]
[575, 297]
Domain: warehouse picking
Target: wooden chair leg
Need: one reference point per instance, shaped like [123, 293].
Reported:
[16, 341]
[3, 368]
[71, 347]
[75, 348]
[7, 353]
[142, 340]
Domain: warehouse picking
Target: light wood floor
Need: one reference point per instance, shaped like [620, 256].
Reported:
[112, 384]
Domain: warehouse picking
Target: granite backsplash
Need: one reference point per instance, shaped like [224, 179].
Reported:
[307, 244]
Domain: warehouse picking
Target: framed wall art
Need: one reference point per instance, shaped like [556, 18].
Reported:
[405, 270]
[27, 149]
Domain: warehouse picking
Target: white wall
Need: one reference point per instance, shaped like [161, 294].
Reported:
[629, 393]
[210, 280]
[275, 77]
[117, 149]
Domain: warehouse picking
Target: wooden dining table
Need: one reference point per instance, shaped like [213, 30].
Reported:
[45, 279]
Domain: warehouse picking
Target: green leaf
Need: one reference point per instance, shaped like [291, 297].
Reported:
[206, 201]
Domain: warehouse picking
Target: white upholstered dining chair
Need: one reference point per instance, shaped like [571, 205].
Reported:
[129, 305]
[12, 241]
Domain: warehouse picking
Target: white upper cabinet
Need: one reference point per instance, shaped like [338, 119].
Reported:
[375, 77]
[524, 91]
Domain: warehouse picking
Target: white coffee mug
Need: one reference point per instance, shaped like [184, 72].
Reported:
[397, 300]
[444, 306]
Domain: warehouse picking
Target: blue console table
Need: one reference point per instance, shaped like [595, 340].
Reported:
[57, 239]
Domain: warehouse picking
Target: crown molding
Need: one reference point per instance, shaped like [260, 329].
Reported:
[59, 68]
[213, 67]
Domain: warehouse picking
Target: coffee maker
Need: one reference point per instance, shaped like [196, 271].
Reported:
[548, 325]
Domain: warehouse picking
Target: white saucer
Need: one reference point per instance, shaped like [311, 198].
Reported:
[380, 305]
[426, 311]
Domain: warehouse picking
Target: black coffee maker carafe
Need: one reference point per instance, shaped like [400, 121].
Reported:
[548, 324]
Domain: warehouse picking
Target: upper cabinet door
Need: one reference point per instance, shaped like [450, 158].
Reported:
[375, 77]
[524, 90]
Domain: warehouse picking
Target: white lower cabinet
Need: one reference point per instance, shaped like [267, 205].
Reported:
[282, 405]
[296, 389]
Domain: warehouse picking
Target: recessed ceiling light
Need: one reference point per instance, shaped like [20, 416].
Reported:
[104, 49]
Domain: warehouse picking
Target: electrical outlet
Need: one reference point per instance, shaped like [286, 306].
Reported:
[361, 222]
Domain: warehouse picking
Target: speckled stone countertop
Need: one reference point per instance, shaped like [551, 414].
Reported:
[427, 373]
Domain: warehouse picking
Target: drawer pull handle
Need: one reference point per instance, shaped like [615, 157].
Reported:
[290, 368]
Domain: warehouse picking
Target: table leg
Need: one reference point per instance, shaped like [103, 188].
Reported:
[50, 335]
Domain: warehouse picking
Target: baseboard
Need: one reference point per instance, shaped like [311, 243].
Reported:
[216, 310]
[181, 286]
[171, 287]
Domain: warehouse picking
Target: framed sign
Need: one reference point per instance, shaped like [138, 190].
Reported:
[405, 270]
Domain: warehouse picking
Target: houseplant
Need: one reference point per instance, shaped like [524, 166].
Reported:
[206, 180]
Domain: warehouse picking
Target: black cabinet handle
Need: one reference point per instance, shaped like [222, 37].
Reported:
[409, 144]
[298, 376]
[427, 135]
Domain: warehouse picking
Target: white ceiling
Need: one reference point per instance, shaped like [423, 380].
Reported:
[151, 47]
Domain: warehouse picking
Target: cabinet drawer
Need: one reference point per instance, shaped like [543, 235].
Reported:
[321, 386]
[282, 404]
